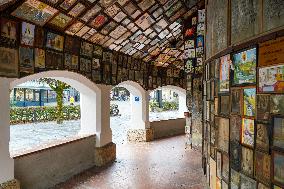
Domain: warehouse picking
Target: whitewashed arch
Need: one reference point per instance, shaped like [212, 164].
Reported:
[139, 100]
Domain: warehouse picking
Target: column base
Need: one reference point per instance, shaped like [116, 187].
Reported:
[140, 135]
[105, 154]
[13, 184]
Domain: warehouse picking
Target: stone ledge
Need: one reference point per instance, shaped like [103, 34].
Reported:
[140, 135]
[105, 154]
[13, 184]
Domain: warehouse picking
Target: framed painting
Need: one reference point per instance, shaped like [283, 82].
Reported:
[278, 132]
[27, 34]
[263, 107]
[247, 134]
[66, 4]
[77, 9]
[235, 127]
[85, 65]
[277, 104]
[224, 78]
[96, 76]
[61, 21]
[225, 167]
[236, 95]
[223, 134]
[39, 37]
[8, 62]
[107, 56]
[271, 79]
[235, 155]
[8, 31]
[278, 168]
[53, 60]
[247, 183]
[219, 164]
[262, 167]
[224, 104]
[96, 64]
[262, 137]
[54, 41]
[235, 179]
[39, 58]
[249, 102]
[87, 49]
[244, 66]
[247, 161]
[71, 62]
[31, 9]
[26, 57]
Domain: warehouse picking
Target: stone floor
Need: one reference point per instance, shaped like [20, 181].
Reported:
[162, 164]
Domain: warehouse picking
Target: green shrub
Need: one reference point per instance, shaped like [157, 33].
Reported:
[169, 105]
[153, 105]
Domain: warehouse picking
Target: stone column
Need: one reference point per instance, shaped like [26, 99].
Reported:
[182, 104]
[6, 162]
[105, 149]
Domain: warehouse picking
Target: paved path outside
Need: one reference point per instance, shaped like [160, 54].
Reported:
[162, 164]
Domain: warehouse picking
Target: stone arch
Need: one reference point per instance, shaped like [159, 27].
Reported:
[90, 100]
[182, 97]
[139, 104]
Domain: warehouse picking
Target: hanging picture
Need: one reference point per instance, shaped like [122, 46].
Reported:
[271, 79]
[54, 41]
[244, 66]
[26, 57]
[249, 106]
[200, 41]
[225, 64]
[262, 167]
[8, 62]
[87, 49]
[71, 62]
[61, 21]
[39, 58]
[235, 179]
[8, 31]
[235, 155]
[28, 34]
[53, 60]
[263, 107]
[201, 15]
[96, 76]
[219, 164]
[96, 63]
[66, 4]
[262, 137]
[189, 44]
[85, 65]
[223, 134]
[236, 94]
[247, 183]
[278, 132]
[277, 104]
[247, 161]
[39, 37]
[225, 167]
[224, 104]
[247, 134]
[235, 127]
[278, 168]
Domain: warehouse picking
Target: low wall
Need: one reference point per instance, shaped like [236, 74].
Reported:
[45, 168]
[167, 128]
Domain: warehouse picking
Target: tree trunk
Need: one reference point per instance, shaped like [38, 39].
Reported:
[59, 99]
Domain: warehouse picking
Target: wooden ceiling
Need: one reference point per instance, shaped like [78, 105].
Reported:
[144, 29]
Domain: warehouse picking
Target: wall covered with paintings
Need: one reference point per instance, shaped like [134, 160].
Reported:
[27, 49]
[243, 117]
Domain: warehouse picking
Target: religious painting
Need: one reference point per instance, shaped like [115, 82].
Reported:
[263, 107]
[35, 11]
[26, 57]
[85, 65]
[71, 62]
[8, 62]
[99, 21]
[247, 161]
[235, 127]
[90, 13]
[225, 167]
[201, 15]
[54, 41]
[235, 179]
[96, 63]
[53, 60]
[145, 21]
[247, 182]
[200, 41]
[189, 44]
[96, 76]
[247, 134]
[278, 167]
[271, 79]
[223, 134]
[224, 104]
[173, 9]
[262, 167]
[235, 155]
[219, 164]
[201, 29]
[262, 137]
[8, 31]
[76, 10]
[199, 52]
[39, 58]
[236, 94]
[74, 28]
[28, 34]
[87, 49]
[278, 132]
[67, 4]
[244, 66]
[61, 21]
[249, 98]
[224, 82]
[39, 37]
[145, 4]
[277, 104]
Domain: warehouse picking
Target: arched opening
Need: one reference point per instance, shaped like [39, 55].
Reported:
[90, 119]
[167, 102]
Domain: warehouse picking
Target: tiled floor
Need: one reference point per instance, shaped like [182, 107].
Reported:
[162, 164]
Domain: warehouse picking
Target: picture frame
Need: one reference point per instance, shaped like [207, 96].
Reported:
[247, 132]
[236, 96]
[262, 167]
[278, 132]
[224, 101]
[71, 62]
[9, 62]
[277, 104]
[26, 60]
[247, 161]
[278, 168]
[8, 34]
[39, 58]
[27, 34]
[235, 127]
[225, 167]
[249, 102]
[224, 78]
[87, 49]
[219, 164]
[235, 155]
[263, 107]
[223, 134]
[54, 41]
[262, 141]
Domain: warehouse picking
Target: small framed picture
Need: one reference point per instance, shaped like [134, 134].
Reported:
[235, 127]
[263, 107]
[278, 132]
[247, 161]
[224, 104]
[262, 167]
[236, 94]
[223, 127]
[225, 167]
[247, 134]
[262, 137]
[249, 102]
[235, 155]
[278, 168]
[277, 104]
